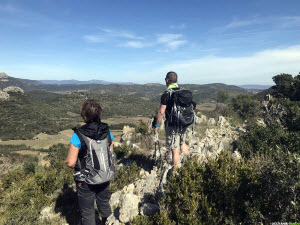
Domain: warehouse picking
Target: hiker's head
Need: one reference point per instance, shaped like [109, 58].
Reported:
[91, 111]
[171, 78]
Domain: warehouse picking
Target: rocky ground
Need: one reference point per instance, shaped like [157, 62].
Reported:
[208, 139]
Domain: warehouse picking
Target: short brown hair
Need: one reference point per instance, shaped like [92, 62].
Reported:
[172, 77]
[91, 111]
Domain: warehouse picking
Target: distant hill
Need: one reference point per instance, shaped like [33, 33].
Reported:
[152, 91]
[255, 86]
[78, 82]
[201, 93]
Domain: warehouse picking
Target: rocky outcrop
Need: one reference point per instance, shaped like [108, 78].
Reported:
[127, 133]
[142, 196]
[13, 89]
[3, 76]
[4, 95]
[129, 207]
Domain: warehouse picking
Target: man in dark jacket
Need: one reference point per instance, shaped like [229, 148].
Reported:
[175, 137]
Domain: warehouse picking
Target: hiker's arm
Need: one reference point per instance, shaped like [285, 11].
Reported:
[72, 156]
[160, 115]
[111, 147]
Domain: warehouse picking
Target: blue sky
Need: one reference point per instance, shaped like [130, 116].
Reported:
[232, 41]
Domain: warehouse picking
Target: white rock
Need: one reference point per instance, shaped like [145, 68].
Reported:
[13, 89]
[211, 122]
[3, 95]
[3, 75]
[236, 156]
[135, 146]
[111, 220]
[47, 213]
[129, 207]
[222, 122]
[129, 188]
[241, 130]
[115, 199]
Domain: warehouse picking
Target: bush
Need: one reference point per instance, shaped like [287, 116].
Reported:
[122, 151]
[227, 192]
[57, 152]
[287, 86]
[29, 167]
[142, 128]
[245, 106]
[267, 141]
[125, 175]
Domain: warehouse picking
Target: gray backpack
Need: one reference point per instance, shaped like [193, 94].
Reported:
[98, 166]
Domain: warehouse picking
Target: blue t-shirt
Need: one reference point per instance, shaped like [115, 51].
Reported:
[76, 141]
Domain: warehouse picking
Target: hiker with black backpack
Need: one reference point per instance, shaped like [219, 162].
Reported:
[91, 155]
[178, 107]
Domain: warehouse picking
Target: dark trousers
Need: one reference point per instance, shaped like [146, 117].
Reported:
[86, 197]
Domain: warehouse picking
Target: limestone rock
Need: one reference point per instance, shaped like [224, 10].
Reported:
[236, 156]
[241, 130]
[211, 122]
[14, 89]
[200, 119]
[3, 95]
[129, 207]
[112, 220]
[47, 213]
[115, 199]
[222, 122]
[127, 133]
[3, 75]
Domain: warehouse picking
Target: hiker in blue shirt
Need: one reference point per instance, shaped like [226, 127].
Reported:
[94, 129]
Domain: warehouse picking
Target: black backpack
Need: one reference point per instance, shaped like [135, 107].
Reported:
[182, 113]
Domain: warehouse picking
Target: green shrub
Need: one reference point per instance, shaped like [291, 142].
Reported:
[57, 152]
[122, 151]
[268, 140]
[29, 167]
[245, 106]
[142, 220]
[12, 177]
[124, 176]
[142, 128]
[25, 204]
[223, 191]
[222, 96]
[287, 86]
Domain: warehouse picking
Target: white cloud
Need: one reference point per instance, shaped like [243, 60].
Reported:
[165, 38]
[171, 41]
[267, 22]
[176, 44]
[258, 68]
[121, 34]
[106, 35]
[134, 44]
[178, 27]
[93, 38]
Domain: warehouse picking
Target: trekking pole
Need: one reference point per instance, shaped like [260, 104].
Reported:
[157, 149]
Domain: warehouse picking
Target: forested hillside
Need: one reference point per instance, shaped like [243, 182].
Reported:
[23, 116]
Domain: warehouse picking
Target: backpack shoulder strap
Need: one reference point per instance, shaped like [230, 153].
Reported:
[76, 131]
